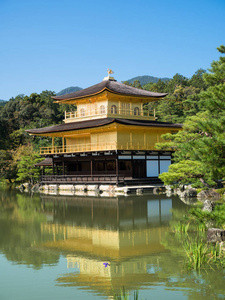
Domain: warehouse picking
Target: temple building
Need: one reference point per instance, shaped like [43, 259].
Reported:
[110, 137]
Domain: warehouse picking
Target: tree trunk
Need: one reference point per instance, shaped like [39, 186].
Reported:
[205, 183]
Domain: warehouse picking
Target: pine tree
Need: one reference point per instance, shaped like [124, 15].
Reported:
[201, 145]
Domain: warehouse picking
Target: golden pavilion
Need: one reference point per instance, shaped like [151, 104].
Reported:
[109, 138]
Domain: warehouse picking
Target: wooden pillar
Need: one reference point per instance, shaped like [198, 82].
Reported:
[52, 145]
[117, 169]
[91, 166]
[53, 167]
[63, 163]
[63, 144]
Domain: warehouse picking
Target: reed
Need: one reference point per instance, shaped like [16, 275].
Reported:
[181, 227]
[124, 295]
[199, 254]
[196, 254]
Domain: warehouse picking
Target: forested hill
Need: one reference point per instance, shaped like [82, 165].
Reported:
[2, 102]
[69, 90]
[142, 79]
[147, 79]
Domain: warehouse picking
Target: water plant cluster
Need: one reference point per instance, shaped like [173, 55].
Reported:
[191, 232]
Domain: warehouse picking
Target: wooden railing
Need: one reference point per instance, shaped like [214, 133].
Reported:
[79, 148]
[81, 178]
[122, 113]
[90, 147]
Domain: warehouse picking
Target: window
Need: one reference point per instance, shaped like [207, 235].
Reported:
[82, 112]
[102, 109]
[113, 109]
[136, 111]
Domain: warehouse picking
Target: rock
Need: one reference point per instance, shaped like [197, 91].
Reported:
[215, 235]
[139, 191]
[168, 188]
[158, 190]
[27, 186]
[208, 205]
[22, 188]
[36, 188]
[222, 246]
[190, 192]
[208, 194]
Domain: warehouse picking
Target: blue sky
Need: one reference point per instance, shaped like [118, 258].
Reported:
[54, 44]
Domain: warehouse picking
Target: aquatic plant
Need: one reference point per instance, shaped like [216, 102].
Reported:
[199, 254]
[124, 295]
[180, 227]
[196, 254]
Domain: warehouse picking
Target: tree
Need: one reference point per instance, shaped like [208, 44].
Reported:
[26, 165]
[7, 166]
[202, 141]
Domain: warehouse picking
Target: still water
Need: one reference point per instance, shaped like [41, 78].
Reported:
[55, 247]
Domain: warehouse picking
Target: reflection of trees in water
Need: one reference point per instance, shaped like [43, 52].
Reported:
[206, 284]
[20, 230]
[21, 234]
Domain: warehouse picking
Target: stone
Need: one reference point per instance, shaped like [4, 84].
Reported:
[92, 187]
[208, 194]
[36, 188]
[139, 191]
[80, 187]
[189, 193]
[208, 205]
[215, 235]
[22, 188]
[158, 190]
[66, 187]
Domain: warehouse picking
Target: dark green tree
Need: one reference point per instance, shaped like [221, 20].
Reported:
[201, 144]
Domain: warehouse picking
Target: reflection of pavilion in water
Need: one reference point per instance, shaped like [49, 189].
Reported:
[124, 232]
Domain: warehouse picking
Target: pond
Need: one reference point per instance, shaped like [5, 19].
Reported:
[66, 247]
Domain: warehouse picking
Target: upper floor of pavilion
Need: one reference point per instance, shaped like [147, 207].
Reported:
[109, 99]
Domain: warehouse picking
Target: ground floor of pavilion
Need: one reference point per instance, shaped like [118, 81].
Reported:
[110, 167]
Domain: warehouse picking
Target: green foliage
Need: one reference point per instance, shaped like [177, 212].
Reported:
[185, 171]
[7, 166]
[199, 254]
[26, 167]
[190, 232]
[201, 144]
[69, 90]
[146, 79]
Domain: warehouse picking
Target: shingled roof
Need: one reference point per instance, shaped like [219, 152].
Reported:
[98, 123]
[112, 86]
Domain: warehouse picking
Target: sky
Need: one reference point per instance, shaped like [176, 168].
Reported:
[55, 44]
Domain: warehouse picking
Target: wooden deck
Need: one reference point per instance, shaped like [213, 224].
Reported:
[97, 179]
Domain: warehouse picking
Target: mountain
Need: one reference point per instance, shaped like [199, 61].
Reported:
[69, 90]
[142, 79]
[2, 102]
[146, 79]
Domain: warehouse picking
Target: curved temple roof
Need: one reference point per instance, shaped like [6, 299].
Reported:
[98, 123]
[112, 86]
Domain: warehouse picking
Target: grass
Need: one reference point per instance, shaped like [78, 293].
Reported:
[190, 231]
[199, 254]
[196, 254]
[124, 295]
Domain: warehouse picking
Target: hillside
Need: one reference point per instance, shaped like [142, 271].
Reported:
[146, 79]
[2, 102]
[69, 90]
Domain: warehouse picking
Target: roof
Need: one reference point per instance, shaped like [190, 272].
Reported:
[98, 123]
[46, 162]
[114, 87]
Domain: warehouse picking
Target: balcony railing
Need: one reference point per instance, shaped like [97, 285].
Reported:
[118, 113]
[90, 147]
